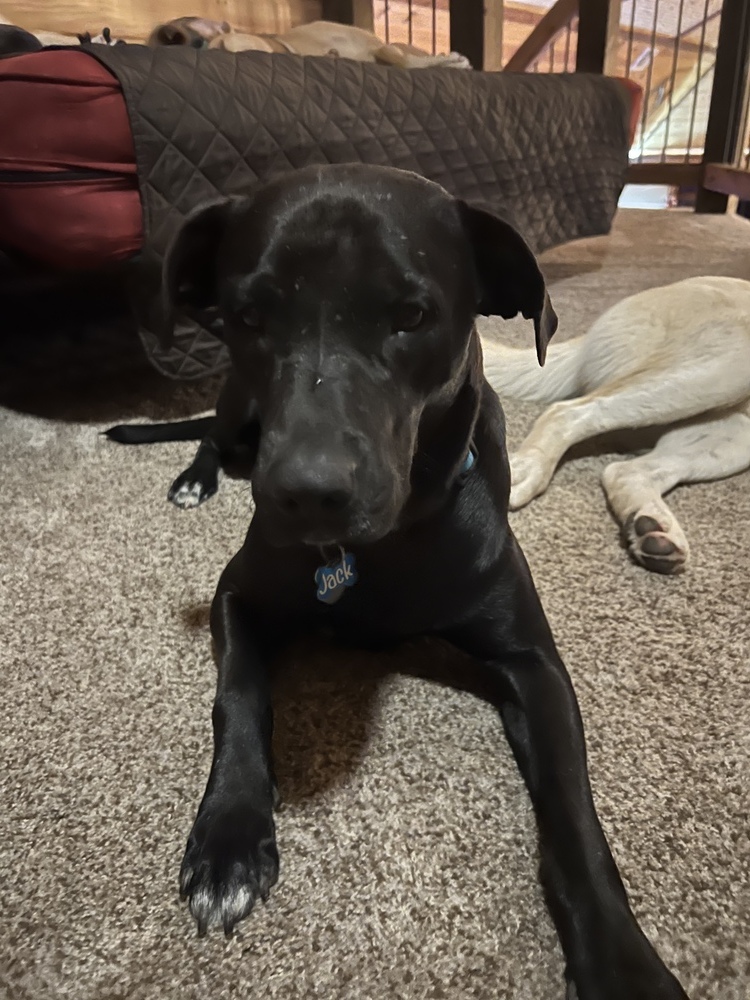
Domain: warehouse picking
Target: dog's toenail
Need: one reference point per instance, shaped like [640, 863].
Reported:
[658, 545]
[644, 525]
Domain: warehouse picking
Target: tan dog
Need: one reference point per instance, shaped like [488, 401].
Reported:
[675, 357]
[320, 38]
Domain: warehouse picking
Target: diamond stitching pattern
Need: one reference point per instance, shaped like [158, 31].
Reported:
[548, 153]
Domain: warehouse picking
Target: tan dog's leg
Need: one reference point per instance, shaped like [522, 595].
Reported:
[237, 41]
[325, 38]
[396, 55]
[655, 397]
[697, 452]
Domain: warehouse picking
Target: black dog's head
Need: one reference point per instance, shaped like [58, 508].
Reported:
[347, 297]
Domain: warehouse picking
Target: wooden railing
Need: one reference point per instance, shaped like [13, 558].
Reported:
[727, 116]
[358, 12]
[558, 20]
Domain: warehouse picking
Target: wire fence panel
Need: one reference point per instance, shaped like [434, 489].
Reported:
[743, 157]
[668, 47]
[422, 23]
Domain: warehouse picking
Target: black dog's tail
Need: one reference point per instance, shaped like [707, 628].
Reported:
[179, 430]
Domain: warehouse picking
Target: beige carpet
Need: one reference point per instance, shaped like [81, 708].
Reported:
[407, 839]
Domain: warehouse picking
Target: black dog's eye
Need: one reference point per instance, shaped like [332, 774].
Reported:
[408, 318]
[251, 318]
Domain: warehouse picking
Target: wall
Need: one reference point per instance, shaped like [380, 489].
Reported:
[134, 19]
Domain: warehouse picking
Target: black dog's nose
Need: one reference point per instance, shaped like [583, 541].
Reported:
[313, 488]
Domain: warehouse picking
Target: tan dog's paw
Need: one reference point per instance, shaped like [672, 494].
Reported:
[657, 545]
[530, 475]
[454, 60]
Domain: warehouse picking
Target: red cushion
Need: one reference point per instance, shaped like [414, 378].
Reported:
[636, 104]
[63, 115]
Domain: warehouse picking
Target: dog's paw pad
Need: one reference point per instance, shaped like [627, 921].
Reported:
[644, 525]
[654, 546]
[187, 495]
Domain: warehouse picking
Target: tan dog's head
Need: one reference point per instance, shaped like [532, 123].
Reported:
[197, 32]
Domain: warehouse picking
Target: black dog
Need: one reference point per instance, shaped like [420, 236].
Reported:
[347, 297]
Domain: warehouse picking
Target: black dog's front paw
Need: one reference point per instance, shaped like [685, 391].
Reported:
[230, 862]
[190, 490]
[625, 967]
[659, 987]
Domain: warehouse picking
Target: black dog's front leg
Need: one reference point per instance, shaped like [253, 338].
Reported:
[231, 440]
[608, 957]
[607, 954]
[231, 858]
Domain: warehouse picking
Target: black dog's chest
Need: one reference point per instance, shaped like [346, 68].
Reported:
[386, 602]
[400, 590]
[425, 578]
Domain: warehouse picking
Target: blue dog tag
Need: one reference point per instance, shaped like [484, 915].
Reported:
[468, 463]
[333, 578]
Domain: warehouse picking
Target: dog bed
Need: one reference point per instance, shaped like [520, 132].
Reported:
[116, 145]
[68, 186]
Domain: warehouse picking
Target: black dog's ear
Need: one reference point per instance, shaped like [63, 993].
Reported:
[510, 281]
[189, 275]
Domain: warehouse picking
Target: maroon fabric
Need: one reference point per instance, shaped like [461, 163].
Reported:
[63, 113]
[636, 104]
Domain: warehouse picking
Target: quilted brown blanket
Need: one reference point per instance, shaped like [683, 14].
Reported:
[546, 152]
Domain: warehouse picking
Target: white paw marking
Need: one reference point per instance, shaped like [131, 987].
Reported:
[220, 907]
[454, 60]
[203, 904]
[188, 495]
[236, 902]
